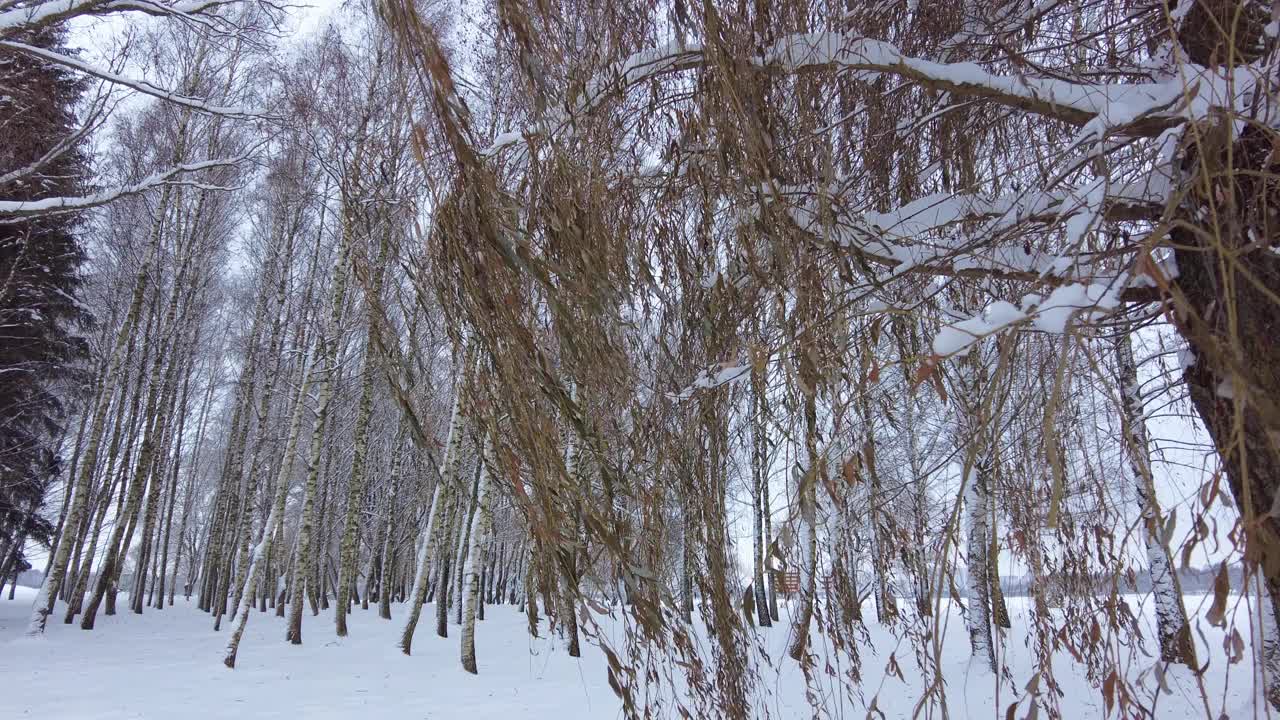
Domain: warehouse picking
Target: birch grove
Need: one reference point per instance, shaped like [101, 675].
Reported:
[724, 321]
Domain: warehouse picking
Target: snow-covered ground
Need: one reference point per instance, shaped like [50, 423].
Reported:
[167, 664]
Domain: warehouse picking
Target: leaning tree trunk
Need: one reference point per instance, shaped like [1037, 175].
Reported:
[263, 549]
[52, 584]
[154, 417]
[48, 594]
[243, 561]
[80, 574]
[157, 470]
[218, 555]
[1224, 302]
[317, 579]
[1224, 297]
[427, 541]
[72, 472]
[81, 563]
[349, 545]
[305, 558]
[1234, 383]
[304, 563]
[189, 498]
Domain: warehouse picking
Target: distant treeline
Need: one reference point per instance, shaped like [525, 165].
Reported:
[1194, 581]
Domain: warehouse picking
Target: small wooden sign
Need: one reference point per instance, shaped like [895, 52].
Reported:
[790, 583]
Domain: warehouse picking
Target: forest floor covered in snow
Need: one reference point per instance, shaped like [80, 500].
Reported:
[167, 664]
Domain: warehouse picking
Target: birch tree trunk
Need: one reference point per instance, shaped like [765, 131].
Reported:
[922, 581]
[1176, 644]
[98, 390]
[79, 572]
[386, 567]
[384, 558]
[767, 512]
[163, 564]
[274, 344]
[235, 490]
[240, 618]
[461, 547]
[355, 492]
[155, 420]
[318, 579]
[806, 481]
[157, 484]
[445, 593]
[305, 558]
[976, 487]
[189, 498]
[118, 545]
[569, 591]
[52, 585]
[427, 541]
[218, 556]
[49, 589]
[304, 563]
[979, 544]
[759, 487]
[482, 523]
[886, 602]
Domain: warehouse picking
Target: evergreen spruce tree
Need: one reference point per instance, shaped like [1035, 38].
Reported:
[40, 349]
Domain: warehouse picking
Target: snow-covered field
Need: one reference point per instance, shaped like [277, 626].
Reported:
[166, 664]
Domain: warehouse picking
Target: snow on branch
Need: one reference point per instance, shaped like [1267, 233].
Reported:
[160, 8]
[45, 13]
[1129, 201]
[919, 236]
[719, 374]
[635, 69]
[142, 86]
[13, 210]
[1132, 109]
[1052, 314]
[1137, 109]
